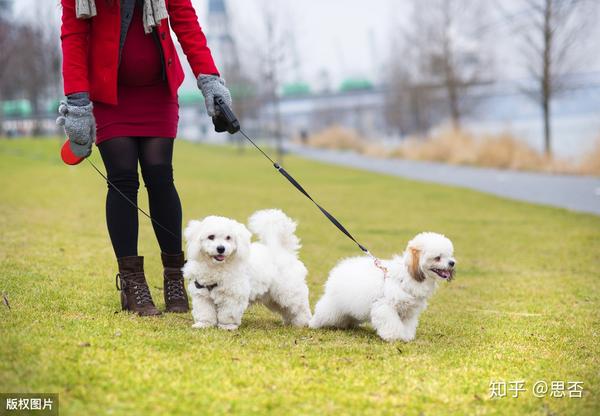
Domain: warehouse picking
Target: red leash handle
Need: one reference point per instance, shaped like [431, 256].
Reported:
[67, 155]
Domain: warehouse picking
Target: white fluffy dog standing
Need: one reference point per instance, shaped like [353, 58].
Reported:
[226, 272]
[356, 290]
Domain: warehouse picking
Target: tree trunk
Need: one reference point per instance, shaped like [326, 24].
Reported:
[547, 77]
[454, 107]
[547, 128]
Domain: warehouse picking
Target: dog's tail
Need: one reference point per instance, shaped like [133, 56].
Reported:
[274, 228]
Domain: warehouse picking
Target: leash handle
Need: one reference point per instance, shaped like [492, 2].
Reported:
[225, 120]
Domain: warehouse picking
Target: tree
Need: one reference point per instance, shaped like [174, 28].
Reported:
[268, 48]
[30, 56]
[410, 103]
[549, 40]
[443, 48]
[274, 54]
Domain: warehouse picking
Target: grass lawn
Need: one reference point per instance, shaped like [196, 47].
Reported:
[524, 306]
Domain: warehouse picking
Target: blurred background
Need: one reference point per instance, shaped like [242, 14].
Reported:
[511, 84]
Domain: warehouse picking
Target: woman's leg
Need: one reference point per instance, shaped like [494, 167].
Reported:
[120, 156]
[156, 155]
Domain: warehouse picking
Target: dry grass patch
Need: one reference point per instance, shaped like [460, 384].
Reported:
[591, 162]
[461, 147]
[338, 138]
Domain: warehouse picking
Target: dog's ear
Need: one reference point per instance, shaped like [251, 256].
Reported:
[191, 233]
[192, 229]
[243, 239]
[414, 268]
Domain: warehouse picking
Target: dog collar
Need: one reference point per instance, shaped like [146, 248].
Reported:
[208, 287]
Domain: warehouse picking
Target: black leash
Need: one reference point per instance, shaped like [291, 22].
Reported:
[226, 121]
[299, 187]
[133, 204]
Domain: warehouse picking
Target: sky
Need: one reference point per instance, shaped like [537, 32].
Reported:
[330, 34]
[346, 38]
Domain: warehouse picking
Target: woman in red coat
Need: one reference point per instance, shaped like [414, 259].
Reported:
[121, 75]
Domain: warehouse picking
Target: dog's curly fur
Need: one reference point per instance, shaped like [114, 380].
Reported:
[356, 290]
[226, 272]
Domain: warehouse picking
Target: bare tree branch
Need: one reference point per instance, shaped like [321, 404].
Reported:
[548, 46]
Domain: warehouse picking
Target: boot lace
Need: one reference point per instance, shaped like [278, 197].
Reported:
[175, 290]
[140, 289]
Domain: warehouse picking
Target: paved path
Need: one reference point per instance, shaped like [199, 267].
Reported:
[577, 193]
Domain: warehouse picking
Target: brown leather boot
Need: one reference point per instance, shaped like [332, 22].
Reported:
[131, 282]
[176, 299]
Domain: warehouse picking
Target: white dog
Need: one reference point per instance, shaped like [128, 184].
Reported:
[226, 272]
[356, 290]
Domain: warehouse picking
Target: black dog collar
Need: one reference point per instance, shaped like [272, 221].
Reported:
[208, 287]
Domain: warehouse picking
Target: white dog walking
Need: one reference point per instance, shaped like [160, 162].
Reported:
[226, 272]
[356, 290]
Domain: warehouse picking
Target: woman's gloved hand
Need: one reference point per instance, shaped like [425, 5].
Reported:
[213, 86]
[77, 119]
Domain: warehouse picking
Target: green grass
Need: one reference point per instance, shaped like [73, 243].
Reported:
[525, 304]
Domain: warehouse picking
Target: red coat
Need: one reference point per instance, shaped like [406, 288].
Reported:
[91, 48]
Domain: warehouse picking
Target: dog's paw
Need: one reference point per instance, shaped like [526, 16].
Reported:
[314, 324]
[202, 325]
[300, 321]
[407, 338]
[228, 327]
[392, 336]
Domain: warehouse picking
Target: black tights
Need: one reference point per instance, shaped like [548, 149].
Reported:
[121, 156]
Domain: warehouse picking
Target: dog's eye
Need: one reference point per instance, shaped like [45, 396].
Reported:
[438, 258]
[228, 237]
[211, 237]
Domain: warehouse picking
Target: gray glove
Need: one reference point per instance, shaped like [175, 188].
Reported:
[213, 86]
[80, 126]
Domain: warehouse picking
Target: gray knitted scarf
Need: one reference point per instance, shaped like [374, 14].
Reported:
[154, 12]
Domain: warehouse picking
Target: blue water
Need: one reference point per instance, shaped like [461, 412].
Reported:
[575, 119]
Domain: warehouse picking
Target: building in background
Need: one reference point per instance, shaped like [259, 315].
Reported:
[220, 38]
[194, 123]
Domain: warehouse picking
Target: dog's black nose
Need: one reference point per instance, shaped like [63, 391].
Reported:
[451, 263]
[220, 249]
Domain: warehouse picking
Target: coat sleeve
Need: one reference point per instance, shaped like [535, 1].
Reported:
[184, 22]
[74, 36]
